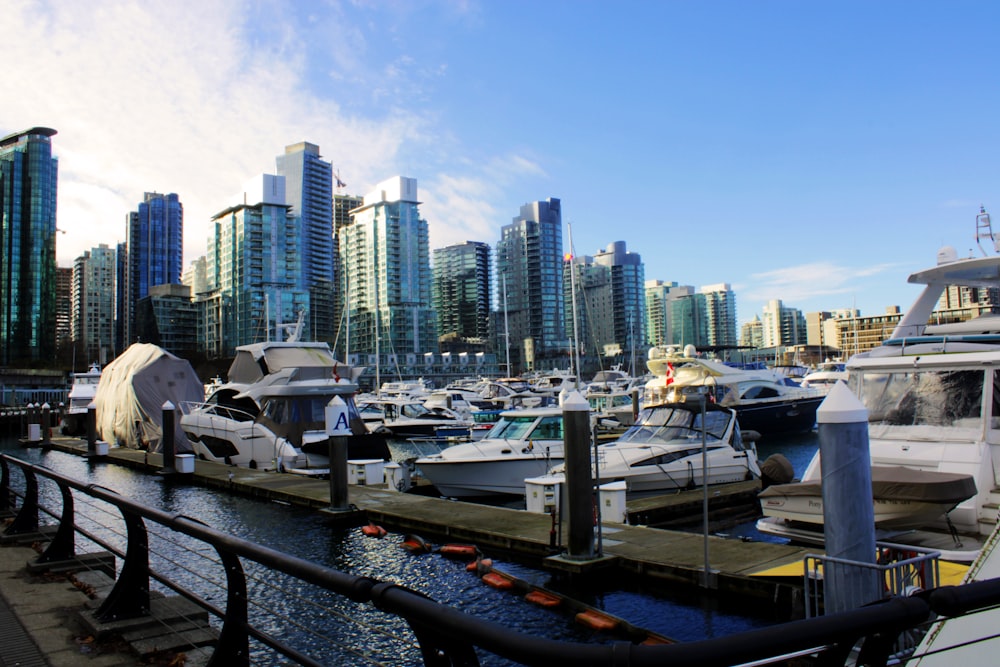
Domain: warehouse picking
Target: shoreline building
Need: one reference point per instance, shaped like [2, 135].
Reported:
[154, 254]
[28, 182]
[309, 193]
[461, 296]
[253, 269]
[611, 308]
[529, 262]
[720, 314]
[386, 280]
[92, 321]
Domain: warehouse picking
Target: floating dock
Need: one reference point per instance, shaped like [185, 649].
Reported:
[665, 556]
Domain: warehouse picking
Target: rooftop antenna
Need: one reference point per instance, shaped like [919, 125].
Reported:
[984, 230]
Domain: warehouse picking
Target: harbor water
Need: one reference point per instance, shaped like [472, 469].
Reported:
[313, 620]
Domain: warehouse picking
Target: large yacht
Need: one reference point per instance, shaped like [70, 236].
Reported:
[271, 412]
[932, 391]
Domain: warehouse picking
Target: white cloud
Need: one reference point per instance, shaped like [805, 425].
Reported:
[182, 97]
[809, 282]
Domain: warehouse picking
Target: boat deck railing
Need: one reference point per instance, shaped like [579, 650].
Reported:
[440, 635]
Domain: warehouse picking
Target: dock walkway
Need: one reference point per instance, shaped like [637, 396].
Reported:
[668, 556]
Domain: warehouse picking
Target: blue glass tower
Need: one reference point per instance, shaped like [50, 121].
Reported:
[28, 177]
[155, 251]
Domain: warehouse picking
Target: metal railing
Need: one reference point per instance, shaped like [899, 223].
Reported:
[447, 637]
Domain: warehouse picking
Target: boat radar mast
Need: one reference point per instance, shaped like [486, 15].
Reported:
[984, 230]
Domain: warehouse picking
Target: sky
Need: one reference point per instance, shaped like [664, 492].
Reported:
[814, 152]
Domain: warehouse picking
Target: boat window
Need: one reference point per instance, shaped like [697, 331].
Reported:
[760, 391]
[668, 457]
[664, 423]
[915, 398]
[276, 410]
[550, 428]
[512, 428]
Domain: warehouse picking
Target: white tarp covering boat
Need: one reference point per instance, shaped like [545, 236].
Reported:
[132, 391]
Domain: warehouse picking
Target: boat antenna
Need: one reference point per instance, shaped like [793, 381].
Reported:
[984, 230]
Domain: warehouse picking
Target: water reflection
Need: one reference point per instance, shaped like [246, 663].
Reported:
[310, 617]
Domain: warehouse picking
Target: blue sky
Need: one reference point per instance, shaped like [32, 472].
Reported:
[814, 152]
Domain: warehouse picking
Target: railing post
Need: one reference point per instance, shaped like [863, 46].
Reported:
[233, 645]
[26, 520]
[6, 497]
[63, 544]
[130, 596]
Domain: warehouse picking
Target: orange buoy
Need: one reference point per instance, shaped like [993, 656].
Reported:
[596, 620]
[475, 565]
[459, 551]
[416, 544]
[371, 530]
[498, 581]
[543, 599]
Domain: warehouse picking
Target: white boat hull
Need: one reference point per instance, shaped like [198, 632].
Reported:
[488, 477]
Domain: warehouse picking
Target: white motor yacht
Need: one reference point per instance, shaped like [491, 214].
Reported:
[665, 450]
[271, 413]
[405, 418]
[765, 401]
[932, 392]
[81, 395]
[523, 443]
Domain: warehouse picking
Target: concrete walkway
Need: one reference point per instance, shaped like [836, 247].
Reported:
[38, 619]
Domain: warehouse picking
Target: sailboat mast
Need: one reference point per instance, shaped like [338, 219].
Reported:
[576, 334]
[506, 325]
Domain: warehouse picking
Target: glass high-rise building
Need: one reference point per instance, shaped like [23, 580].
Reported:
[309, 192]
[254, 270]
[92, 324]
[461, 293]
[155, 233]
[28, 180]
[611, 306]
[720, 313]
[386, 275]
[529, 261]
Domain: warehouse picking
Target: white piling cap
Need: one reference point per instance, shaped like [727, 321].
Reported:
[841, 406]
[575, 402]
[167, 405]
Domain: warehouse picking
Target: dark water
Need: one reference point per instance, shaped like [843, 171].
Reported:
[312, 619]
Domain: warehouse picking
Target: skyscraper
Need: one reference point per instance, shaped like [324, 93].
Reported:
[386, 273]
[611, 311]
[155, 252]
[254, 269]
[28, 179]
[309, 193]
[461, 294]
[530, 263]
[720, 313]
[92, 324]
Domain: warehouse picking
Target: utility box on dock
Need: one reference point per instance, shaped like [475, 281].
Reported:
[612, 499]
[542, 494]
[364, 472]
[101, 448]
[397, 477]
[184, 463]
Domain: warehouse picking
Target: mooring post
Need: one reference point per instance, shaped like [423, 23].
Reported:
[91, 428]
[848, 510]
[337, 431]
[46, 425]
[579, 479]
[167, 440]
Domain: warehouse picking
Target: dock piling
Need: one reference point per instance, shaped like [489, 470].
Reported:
[579, 479]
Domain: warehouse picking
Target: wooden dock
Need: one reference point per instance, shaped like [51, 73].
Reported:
[665, 556]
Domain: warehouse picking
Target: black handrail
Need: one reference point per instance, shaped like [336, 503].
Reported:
[448, 637]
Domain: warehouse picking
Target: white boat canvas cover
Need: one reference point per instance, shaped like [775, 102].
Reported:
[132, 391]
[314, 361]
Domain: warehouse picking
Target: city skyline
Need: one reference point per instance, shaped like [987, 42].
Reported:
[816, 153]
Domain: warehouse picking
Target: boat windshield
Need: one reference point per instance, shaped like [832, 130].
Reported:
[518, 427]
[936, 398]
[666, 423]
